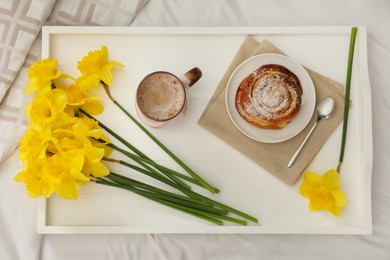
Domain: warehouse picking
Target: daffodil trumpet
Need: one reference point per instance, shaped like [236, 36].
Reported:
[324, 192]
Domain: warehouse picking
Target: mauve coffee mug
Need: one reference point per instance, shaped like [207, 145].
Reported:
[161, 96]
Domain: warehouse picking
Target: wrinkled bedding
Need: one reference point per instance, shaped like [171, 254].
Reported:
[18, 214]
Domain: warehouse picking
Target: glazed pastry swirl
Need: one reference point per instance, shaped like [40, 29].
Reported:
[269, 97]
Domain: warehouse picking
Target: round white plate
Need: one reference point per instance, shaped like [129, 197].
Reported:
[300, 120]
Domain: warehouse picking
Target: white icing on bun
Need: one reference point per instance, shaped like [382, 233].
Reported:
[269, 97]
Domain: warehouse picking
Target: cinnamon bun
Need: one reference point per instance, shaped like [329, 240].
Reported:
[269, 97]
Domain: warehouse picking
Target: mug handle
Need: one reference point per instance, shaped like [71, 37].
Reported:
[191, 77]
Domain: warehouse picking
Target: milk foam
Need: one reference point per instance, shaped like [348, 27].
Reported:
[161, 96]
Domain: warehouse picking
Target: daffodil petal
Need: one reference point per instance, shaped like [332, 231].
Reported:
[336, 211]
[21, 176]
[98, 169]
[94, 154]
[87, 83]
[339, 198]
[68, 189]
[332, 178]
[93, 107]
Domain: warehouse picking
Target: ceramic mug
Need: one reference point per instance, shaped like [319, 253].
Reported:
[162, 96]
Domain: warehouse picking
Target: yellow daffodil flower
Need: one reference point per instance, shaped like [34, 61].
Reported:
[87, 83]
[60, 174]
[93, 155]
[90, 130]
[78, 97]
[63, 171]
[107, 150]
[47, 110]
[80, 137]
[96, 63]
[323, 192]
[41, 75]
[31, 176]
[89, 123]
[32, 146]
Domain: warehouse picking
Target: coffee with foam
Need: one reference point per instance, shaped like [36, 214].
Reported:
[161, 96]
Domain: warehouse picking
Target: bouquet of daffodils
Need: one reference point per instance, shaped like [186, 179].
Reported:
[65, 147]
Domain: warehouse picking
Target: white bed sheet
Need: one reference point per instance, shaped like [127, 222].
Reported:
[18, 214]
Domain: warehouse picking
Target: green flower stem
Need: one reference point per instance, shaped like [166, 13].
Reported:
[172, 199]
[148, 173]
[129, 181]
[221, 205]
[171, 154]
[189, 179]
[164, 169]
[168, 196]
[76, 111]
[227, 218]
[195, 195]
[205, 210]
[169, 172]
[193, 212]
[237, 212]
[347, 95]
[190, 211]
[118, 137]
[130, 146]
[157, 177]
[238, 221]
[184, 190]
[146, 170]
[142, 160]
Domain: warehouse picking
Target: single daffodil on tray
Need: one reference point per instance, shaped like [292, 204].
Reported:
[324, 192]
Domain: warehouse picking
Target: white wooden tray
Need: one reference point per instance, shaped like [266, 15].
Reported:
[243, 184]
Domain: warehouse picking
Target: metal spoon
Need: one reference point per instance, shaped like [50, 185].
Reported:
[325, 109]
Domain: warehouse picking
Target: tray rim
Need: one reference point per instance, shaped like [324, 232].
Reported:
[366, 136]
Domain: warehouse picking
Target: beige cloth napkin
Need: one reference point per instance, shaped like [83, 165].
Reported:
[272, 157]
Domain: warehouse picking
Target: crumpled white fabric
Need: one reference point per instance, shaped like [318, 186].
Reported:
[21, 22]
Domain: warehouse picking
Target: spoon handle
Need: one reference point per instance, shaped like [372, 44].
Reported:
[291, 162]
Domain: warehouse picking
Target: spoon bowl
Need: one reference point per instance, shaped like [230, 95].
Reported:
[325, 108]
